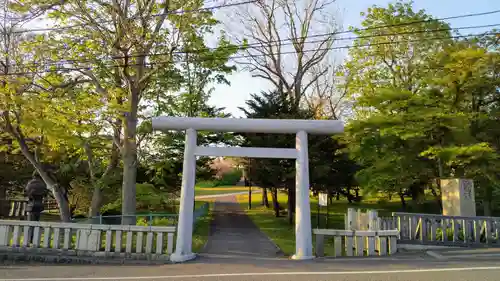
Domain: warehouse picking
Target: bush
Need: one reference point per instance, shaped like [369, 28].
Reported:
[148, 198]
[382, 201]
[113, 208]
[230, 178]
[206, 183]
[157, 221]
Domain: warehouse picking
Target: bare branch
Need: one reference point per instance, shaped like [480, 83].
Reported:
[270, 27]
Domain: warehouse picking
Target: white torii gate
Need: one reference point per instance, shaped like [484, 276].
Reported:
[303, 232]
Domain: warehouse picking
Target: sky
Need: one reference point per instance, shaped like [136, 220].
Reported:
[242, 84]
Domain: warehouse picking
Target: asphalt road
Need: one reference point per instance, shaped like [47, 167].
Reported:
[238, 269]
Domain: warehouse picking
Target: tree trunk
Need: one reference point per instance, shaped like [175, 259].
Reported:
[436, 195]
[487, 207]
[265, 200]
[403, 202]
[129, 155]
[487, 202]
[95, 205]
[61, 197]
[60, 193]
[129, 184]
[276, 204]
[97, 194]
[290, 207]
[438, 183]
[4, 204]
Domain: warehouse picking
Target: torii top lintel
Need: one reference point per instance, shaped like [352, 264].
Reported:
[246, 125]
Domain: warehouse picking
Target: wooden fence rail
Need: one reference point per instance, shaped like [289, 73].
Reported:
[444, 230]
[357, 243]
[68, 239]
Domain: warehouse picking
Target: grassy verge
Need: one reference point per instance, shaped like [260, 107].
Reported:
[220, 190]
[283, 234]
[277, 229]
[202, 230]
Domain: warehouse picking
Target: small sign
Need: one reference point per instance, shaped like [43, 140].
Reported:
[323, 199]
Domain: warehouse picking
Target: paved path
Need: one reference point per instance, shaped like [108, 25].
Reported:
[233, 233]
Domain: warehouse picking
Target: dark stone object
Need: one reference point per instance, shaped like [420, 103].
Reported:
[35, 190]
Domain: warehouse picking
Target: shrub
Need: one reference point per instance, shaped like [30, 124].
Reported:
[148, 198]
[206, 183]
[157, 221]
[113, 208]
[230, 178]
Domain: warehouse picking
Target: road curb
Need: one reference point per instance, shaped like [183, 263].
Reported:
[436, 255]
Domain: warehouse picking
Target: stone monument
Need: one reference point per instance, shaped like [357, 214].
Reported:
[35, 190]
[457, 196]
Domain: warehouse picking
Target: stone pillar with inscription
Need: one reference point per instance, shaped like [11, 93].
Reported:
[457, 196]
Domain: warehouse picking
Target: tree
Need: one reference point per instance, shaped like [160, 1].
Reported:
[333, 171]
[469, 76]
[407, 134]
[15, 172]
[122, 48]
[273, 173]
[24, 100]
[294, 64]
[394, 48]
[200, 70]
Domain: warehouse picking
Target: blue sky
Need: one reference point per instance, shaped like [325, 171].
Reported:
[242, 84]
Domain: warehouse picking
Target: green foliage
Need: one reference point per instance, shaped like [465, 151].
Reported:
[113, 208]
[206, 183]
[424, 108]
[277, 173]
[97, 86]
[333, 170]
[15, 172]
[149, 198]
[157, 221]
[230, 178]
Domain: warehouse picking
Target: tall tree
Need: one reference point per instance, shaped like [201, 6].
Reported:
[121, 47]
[274, 174]
[412, 125]
[26, 98]
[283, 43]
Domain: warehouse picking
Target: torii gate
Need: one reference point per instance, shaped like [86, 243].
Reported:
[303, 231]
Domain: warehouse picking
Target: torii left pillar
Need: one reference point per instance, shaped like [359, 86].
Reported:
[183, 247]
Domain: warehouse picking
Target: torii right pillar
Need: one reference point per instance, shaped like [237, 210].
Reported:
[303, 231]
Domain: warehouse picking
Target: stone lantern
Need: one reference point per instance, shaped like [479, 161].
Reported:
[35, 190]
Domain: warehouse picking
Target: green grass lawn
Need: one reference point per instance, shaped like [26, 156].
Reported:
[199, 191]
[202, 231]
[283, 234]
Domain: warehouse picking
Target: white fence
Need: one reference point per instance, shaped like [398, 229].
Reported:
[355, 219]
[357, 243]
[68, 239]
[431, 229]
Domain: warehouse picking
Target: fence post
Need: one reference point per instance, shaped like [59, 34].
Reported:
[351, 222]
[373, 220]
